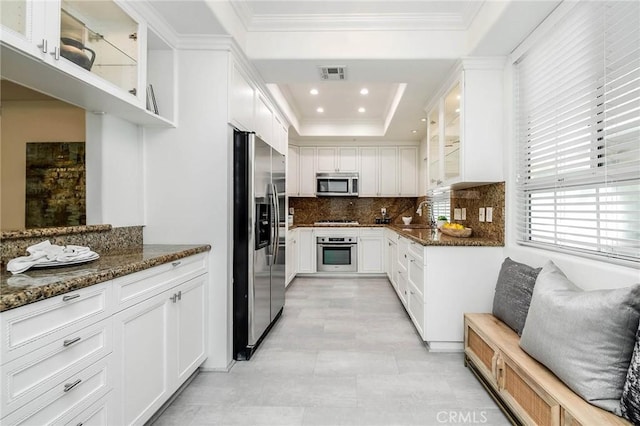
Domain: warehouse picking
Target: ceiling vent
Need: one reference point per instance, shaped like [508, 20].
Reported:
[333, 73]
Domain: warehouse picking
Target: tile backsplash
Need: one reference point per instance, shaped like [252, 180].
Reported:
[366, 210]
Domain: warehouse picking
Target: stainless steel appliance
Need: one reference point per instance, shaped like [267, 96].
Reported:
[337, 184]
[337, 254]
[259, 241]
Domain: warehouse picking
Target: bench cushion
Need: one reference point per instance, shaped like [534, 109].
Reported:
[513, 293]
[585, 337]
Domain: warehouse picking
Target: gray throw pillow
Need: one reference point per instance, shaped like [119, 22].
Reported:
[513, 293]
[630, 402]
[586, 338]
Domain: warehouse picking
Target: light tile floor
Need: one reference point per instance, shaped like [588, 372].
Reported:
[344, 352]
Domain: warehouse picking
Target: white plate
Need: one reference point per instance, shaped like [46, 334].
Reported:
[94, 256]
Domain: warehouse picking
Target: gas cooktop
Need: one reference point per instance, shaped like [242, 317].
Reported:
[337, 222]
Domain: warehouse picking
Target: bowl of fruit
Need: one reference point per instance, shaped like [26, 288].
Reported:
[455, 230]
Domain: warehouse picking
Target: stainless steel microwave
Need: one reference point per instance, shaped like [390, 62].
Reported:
[337, 184]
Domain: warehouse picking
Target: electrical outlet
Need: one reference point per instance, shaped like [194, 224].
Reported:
[481, 214]
[457, 214]
[291, 210]
[489, 214]
[464, 213]
[383, 211]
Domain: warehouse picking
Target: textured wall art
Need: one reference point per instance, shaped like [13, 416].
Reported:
[55, 184]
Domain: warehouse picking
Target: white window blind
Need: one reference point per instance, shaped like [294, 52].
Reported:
[440, 205]
[578, 112]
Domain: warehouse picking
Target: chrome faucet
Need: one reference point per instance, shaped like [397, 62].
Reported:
[432, 222]
[419, 209]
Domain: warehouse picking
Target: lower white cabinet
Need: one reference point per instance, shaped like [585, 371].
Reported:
[371, 250]
[159, 343]
[291, 255]
[71, 360]
[306, 251]
[438, 284]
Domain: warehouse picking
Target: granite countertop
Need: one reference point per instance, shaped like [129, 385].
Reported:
[420, 234]
[39, 284]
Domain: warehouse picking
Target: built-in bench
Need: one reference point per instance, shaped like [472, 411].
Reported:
[526, 390]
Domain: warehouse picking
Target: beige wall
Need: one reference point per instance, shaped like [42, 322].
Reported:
[30, 121]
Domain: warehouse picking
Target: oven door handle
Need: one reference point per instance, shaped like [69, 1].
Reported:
[336, 245]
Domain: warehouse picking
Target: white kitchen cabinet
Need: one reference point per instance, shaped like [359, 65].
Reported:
[293, 171]
[264, 120]
[391, 254]
[465, 119]
[369, 172]
[36, 36]
[337, 159]
[292, 255]
[306, 250]
[159, 343]
[241, 99]
[307, 172]
[388, 171]
[280, 135]
[371, 250]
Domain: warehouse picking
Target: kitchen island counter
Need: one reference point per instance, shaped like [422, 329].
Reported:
[39, 284]
[420, 234]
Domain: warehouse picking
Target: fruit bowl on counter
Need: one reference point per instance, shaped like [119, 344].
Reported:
[455, 230]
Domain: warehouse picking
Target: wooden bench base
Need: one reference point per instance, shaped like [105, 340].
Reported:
[526, 390]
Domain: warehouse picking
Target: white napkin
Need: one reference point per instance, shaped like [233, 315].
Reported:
[47, 252]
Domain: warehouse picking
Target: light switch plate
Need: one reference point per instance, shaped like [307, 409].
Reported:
[457, 214]
[489, 214]
[291, 210]
[464, 213]
[481, 214]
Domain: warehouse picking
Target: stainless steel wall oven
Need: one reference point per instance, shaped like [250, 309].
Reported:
[337, 254]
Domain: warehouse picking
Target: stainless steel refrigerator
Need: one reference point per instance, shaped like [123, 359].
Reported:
[258, 241]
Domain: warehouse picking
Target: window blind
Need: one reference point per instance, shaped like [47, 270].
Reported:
[578, 127]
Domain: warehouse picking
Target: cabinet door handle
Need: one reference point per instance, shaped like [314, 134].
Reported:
[43, 45]
[70, 342]
[69, 386]
[180, 295]
[174, 298]
[175, 264]
[68, 297]
[56, 53]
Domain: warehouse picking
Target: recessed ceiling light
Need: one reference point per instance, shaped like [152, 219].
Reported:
[414, 131]
[364, 91]
[320, 109]
[314, 91]
[361, 109]
[423, 120]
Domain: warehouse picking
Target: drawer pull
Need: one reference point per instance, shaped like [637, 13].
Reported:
[69, 386]
[80, 424]
[68, 297]
[180, 295]
[175, 264]
[71, 341]
[174, 298]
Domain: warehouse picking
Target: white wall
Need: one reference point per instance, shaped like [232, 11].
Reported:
[188, 183]
[114, 171]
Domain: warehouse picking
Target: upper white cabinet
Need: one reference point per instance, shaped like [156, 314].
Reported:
[337, 159]
[91, 54]
[280, 135]
[293, 162]
[465, 126]
[389, 171]
[263, 120]
[307, 172]
[241, 99]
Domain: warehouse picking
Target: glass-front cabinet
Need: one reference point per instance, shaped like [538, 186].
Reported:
[100, 37]
[465, 131]
[433, 152]
[452, 133]
[100, 50]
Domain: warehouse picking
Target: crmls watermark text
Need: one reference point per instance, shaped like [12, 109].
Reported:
[462, 417]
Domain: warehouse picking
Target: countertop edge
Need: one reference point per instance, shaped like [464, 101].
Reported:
[43, 292]
[442, 241]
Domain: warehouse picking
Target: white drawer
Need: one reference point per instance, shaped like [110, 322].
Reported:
[28, 377]
[371, 232]
[416, 273]
[66, 397]
[99, 413]
[417, 250]
[33, 326]
[139, 286]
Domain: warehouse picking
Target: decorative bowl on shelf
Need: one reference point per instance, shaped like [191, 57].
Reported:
[407, 219]
[460, 233]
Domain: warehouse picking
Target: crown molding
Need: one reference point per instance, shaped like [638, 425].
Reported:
[155, 22]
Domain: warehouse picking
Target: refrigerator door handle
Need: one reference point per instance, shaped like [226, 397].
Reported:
[276, 224]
